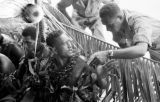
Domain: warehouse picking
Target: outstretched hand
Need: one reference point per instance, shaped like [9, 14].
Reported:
[100, 55]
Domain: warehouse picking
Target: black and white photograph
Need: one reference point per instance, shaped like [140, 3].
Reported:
[79, 51]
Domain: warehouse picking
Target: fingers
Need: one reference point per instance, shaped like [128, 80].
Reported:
[110, 65]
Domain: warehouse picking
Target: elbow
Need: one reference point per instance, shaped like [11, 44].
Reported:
[142, 52]
[142, 49]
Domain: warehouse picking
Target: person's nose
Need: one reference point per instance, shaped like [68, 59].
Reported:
[69, 45]
[25, 45]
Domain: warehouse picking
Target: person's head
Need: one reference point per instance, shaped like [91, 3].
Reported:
[112, 17]
[29, 37]
[62, 43]
[6, 65]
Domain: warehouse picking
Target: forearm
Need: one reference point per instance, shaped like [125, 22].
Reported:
[130, 52]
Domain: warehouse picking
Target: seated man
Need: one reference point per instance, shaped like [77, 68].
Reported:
[29, 37]
[32, 65]
[69, 72]
[42, 52]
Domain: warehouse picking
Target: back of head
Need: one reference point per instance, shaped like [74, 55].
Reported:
[109, 10]
[6, 65]
[29, 31]
[50, 40]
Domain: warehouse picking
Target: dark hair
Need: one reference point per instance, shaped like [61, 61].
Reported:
[29, 31]
[50, 40]
[109, 10]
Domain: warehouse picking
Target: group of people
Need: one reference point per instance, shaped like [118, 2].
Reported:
[134, 32]
[56, 71]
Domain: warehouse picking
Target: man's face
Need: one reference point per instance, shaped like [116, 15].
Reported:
[64, 46]
[112, 24]
[29, 45]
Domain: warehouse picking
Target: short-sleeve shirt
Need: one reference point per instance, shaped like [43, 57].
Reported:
[139, 28]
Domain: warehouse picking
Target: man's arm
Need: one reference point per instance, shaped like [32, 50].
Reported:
[136, 51]
[62, 5]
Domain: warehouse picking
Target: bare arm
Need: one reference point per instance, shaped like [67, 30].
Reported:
[136, 51]
[62, 5]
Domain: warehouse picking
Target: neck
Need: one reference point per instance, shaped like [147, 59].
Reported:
[63, 60]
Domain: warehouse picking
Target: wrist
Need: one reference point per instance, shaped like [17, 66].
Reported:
[110, 54]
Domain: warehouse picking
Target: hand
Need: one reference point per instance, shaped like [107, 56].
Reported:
[75, 23]
[101, 56]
